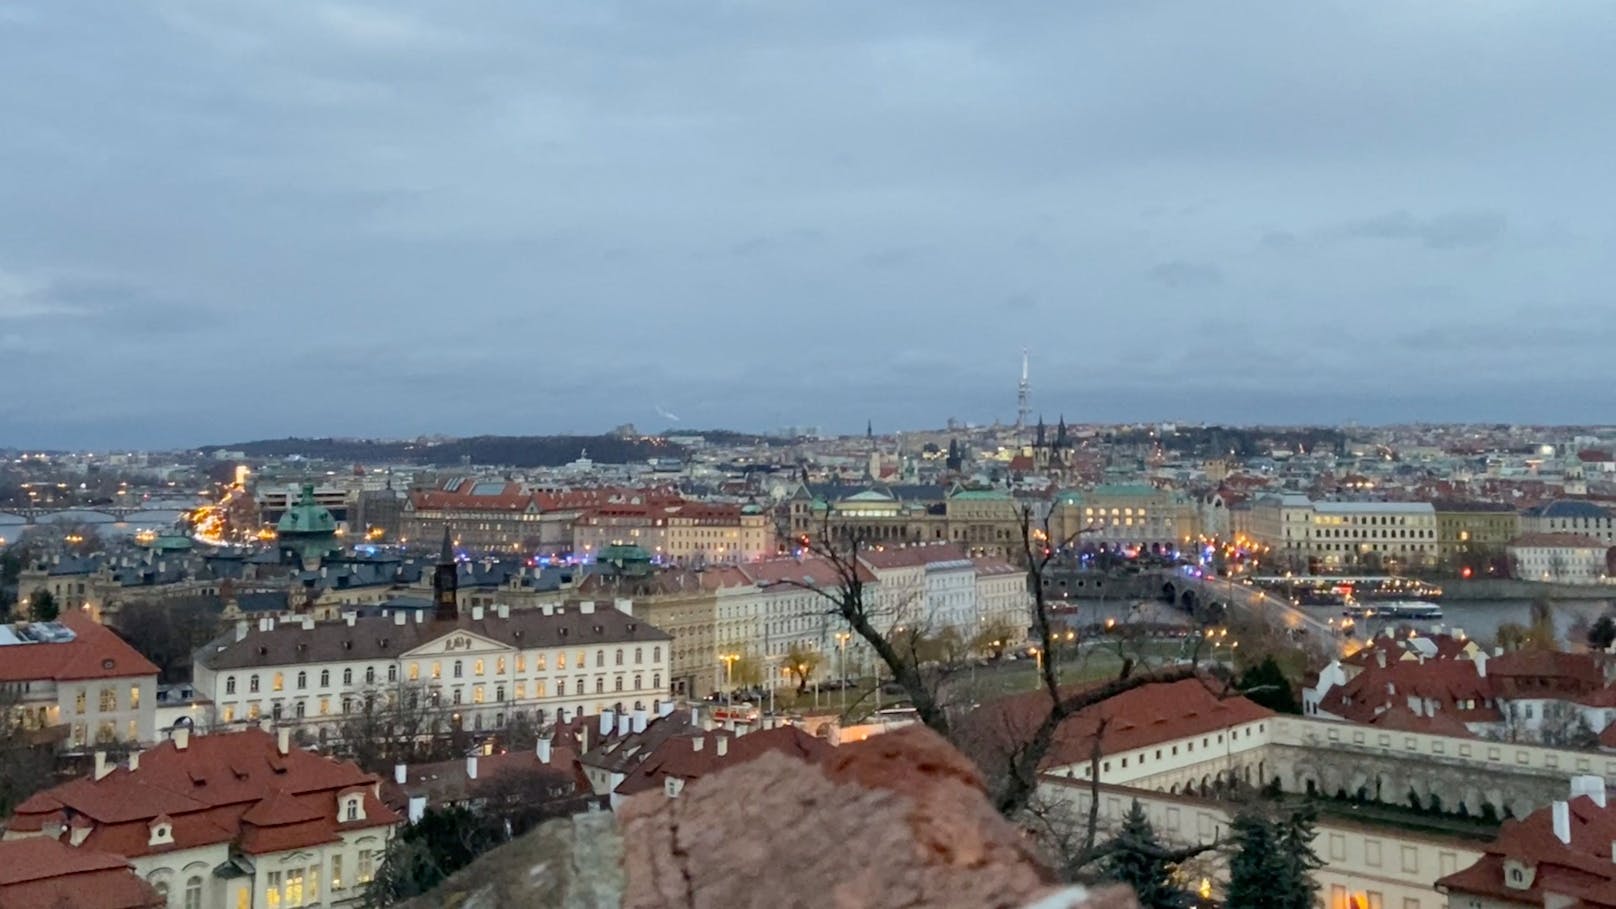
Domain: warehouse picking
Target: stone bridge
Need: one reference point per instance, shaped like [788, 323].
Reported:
[115, 512]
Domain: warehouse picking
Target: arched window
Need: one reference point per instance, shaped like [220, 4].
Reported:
[325, 678]
[370, 675]
[193, 892]
[600, 685]
[298, 709]
[619, 656]
[229, 684]
[656, 654]
[499, 692]
[302, 680]
[279, 682]
[638, 681]
[252, 683]
[477, 668]
[392, 672]
[656, 680]
[561, 687]
[347, 676]
[162, 891]
[639, 654]
[617, 684]
[600, 659]
[352, 813]
[459, 669]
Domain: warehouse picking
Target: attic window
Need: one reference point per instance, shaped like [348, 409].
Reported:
[632, 626]
[347, 645]
[382, 643]
[107, 664]
[563, 631]
[161, 835]
[263, 650]
[599, 629]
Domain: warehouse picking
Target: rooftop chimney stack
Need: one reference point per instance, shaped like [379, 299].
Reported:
[1562, 822]
[401, 773]
[665, 709]
[606, 721]
[1591, 786]
[134, 760]
[399, 617]
[721, 745]
[102, 766]
[639, 719]
[182, 738]
[544, 749]
[283, 740]
[471, 766]
[696, 743]
[476, 613]
[625, 724]
[625, 605]
[241, 630]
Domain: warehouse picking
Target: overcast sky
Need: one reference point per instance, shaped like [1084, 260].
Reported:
[227, 220]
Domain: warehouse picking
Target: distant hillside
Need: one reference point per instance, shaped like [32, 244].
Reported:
[515, 451]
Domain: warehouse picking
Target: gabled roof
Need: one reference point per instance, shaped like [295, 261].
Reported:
[1580, 872]
[679, 756]
[42, 873]
[95, 652]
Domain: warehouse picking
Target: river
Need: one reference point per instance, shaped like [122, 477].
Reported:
[13, 528]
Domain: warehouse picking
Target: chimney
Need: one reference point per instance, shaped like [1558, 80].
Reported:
[1380, 657]
[624, 605]
[548, 608]
[348, 619]
[182, 738]
[544, 749]
[605, 722]
[399, 618]
[639, 719]
[625, 724]
[308, 623]
[471, 766]
[665, 709]
[587, 607]
[476, 613]
[241, 630]
[504, 610]
[1591, 786]
[417, 808]
[102, 767]
[134, 761]
[696, 743]
[420, 616]
[283, 740]
[401, 773]
[1480, 659]
[1562, 822]
[721, 745]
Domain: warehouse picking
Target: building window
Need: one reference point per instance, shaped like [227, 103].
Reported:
[278, 683]
[230, 714]
[162, 891]
[370, 675]
[272, 890]
[347, 676]
[600, 684]
[521, 663]
[618, 657]
[294, 887]
[298, 709]
[366, 866]
[499, 693]
[617, 683]
[656, 680]
[561, 687]
[193, 893]
[415, 672]
[352, 813]
[600, 659]
[336, 872]
[476, 694]
[521, 690]
[325, 706]
[637, 680]
[302, 680]
[656, 654]
[499, 665]
[392, 672]
[229, 684]
[456, 698]
[477, 667]
[325, 678]
[252, 683]
[459, 669]
[108, 701]
[437, 669]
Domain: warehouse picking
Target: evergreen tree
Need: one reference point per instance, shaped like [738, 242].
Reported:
[42, 606]
[1254, 868]
[1603, 633]
[1295, 847]
[1269, 687]
[1137, 862]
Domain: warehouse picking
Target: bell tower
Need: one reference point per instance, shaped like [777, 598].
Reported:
[446, 583]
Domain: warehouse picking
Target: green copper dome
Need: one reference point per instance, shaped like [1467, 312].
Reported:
[307, 517]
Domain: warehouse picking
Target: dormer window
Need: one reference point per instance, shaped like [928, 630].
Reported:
[351, 807]
[162, 833]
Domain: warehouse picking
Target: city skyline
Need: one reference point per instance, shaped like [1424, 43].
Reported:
[386, 221]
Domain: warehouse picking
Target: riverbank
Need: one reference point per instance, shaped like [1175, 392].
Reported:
[1488, 589]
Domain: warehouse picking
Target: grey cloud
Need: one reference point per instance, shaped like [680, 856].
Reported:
[1179, 274]
[1450, 230]
[435, 202]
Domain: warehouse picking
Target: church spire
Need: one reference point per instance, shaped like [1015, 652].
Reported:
[446, 583]
[1038, 437]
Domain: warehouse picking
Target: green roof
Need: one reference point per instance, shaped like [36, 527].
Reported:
[980, 495]
[307, 517]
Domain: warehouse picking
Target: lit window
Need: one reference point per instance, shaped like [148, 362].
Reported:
[477, 667]
[336, 871]
[499, 665]
[79, 702]
[272, 890]
[437, 669]
[279, 683]
[229, 684]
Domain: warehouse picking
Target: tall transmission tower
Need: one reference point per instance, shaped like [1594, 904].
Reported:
[1023, 394]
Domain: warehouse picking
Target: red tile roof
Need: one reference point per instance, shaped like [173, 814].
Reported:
[1578, 874]
[95, 652]
[221, 788]
[40, 873]
[1445, 683]
[888, 558]
[679, 757]
[811, 571]
[1145, 716]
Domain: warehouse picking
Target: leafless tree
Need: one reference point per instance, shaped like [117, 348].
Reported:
[395, 725]
[27, 761]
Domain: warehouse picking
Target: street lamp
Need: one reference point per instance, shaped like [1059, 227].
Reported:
[842, 637]
[1039, 656]
[729, 676]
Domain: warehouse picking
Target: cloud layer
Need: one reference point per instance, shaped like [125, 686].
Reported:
[225, 219]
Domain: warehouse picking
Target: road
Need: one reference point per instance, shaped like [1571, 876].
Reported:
[1278, 612]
